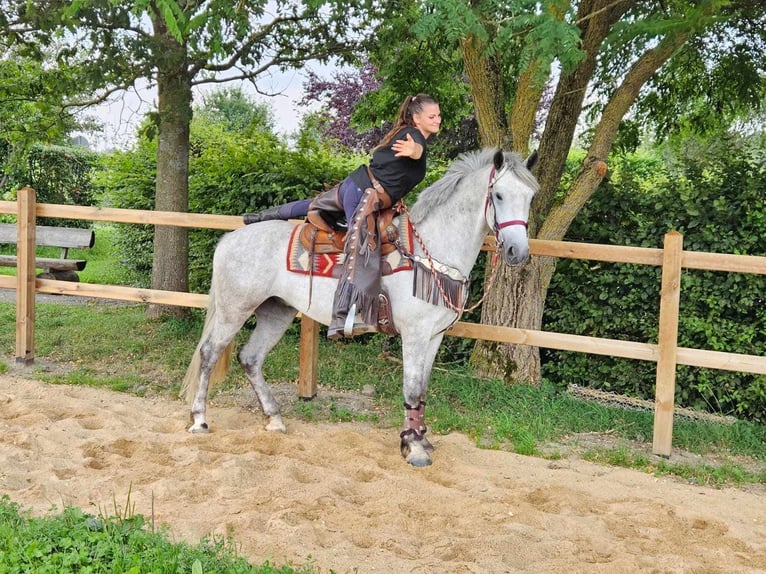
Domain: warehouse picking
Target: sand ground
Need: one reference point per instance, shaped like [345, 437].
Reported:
[339, 495]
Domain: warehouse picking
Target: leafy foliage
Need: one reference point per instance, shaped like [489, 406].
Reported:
[712, 194]
[32, 98]
[236, 111]
[514, 33]
[74, 541]
[113, 44]
[58, 174]
[341, 96]
[715, 79]
[31, 116]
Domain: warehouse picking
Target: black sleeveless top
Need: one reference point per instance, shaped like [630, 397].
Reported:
[397, 175]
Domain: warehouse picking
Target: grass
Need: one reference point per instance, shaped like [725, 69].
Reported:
[117, 347]
[101, 267]
[122, 543]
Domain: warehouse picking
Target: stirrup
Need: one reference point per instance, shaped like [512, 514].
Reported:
[353, 327]
[348, 327]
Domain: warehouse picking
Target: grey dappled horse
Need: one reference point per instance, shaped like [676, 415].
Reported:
[482, 191]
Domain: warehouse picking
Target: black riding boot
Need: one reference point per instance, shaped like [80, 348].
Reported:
[265, 215]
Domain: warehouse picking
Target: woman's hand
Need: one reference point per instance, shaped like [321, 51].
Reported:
[407, 147]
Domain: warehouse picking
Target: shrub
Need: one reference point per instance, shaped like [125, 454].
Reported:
[712, 195]
[58, 174]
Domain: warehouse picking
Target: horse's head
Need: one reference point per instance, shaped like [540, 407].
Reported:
[510, 190]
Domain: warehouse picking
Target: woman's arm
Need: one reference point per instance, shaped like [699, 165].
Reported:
[407, 147]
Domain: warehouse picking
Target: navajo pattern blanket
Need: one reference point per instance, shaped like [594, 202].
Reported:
[301, 260]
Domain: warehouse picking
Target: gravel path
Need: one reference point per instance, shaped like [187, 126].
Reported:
[9, 296]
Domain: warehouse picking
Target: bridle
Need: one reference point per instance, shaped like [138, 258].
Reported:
[495, 225]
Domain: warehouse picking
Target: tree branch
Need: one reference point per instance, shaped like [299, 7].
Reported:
[594, 167]
[262, 33]
[568, 100]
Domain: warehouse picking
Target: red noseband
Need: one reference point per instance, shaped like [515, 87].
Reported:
[505, 224]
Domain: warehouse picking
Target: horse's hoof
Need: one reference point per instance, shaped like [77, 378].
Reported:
[276, 424]
[201, 428]
[419, 461]
[415, 454]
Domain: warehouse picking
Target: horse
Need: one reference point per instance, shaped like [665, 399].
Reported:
[484, 190]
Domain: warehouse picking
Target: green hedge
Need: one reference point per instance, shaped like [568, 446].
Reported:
[713, 195]
[58, 174]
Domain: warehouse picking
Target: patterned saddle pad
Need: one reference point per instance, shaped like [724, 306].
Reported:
[324, 261]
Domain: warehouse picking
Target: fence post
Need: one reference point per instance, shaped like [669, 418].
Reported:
[25, 276]
[670, 297]
[309, 358]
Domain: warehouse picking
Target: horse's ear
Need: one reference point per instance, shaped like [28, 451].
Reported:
[499, 158]
[531, 161]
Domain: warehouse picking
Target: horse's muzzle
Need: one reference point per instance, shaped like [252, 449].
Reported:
[515, 244]
[516, 255]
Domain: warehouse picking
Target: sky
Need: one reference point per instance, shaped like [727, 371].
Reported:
[124, 113]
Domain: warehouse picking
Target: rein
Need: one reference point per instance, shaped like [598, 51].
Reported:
[494, 176]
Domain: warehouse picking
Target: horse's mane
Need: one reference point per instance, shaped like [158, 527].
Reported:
[466, 164]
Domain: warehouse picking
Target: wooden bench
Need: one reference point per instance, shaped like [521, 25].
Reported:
[64, 238]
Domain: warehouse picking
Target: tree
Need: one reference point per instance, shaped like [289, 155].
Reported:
[29, 114]
[110, 45]
[613, 58]
[340, 97]
[237, 112]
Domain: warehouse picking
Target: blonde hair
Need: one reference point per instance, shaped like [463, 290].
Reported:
[410, 106]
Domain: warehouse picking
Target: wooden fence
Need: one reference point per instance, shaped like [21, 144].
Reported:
[666, 352]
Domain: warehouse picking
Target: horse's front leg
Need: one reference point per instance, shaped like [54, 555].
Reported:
[418, 361]
[415, 447]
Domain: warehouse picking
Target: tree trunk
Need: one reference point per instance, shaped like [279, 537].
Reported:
[170, 263]
[486, 91]
[529, 91]
[561, 215]
[518, 299]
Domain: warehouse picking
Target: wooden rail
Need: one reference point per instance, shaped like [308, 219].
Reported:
[665, 353]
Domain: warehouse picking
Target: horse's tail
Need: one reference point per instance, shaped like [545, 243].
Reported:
[190, 383]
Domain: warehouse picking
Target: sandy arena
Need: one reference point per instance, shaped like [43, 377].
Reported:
[341, 497]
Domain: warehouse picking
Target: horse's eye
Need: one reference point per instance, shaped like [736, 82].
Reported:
[498, 197]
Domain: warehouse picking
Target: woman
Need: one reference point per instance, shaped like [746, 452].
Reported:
[397, 165]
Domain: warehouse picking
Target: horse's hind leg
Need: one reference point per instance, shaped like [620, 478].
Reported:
[210, 351]
[274, 317]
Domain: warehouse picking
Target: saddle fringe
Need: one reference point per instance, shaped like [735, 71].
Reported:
[426, 288]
